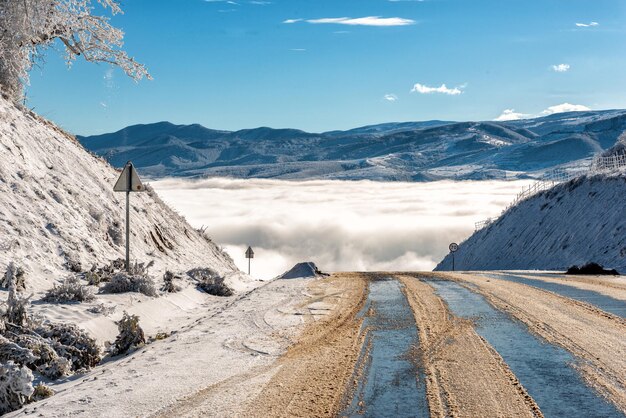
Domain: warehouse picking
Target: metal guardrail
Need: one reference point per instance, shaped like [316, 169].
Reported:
[550, 179]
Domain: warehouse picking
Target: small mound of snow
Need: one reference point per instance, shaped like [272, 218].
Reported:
[303, 270]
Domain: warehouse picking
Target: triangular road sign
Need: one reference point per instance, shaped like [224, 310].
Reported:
[249, 253]
[129, 180]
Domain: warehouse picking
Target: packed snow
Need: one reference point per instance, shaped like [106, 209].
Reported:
[218, 349]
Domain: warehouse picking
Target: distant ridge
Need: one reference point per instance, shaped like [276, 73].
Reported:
[404, 151]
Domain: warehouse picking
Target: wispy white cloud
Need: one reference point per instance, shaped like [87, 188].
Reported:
[564, 107]
[298, 49]
[359, 21]
[443, 89]
[587, 25]
[390, 97]
[511, 114]
[561, 68]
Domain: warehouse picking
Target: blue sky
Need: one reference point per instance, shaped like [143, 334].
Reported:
[335, 64]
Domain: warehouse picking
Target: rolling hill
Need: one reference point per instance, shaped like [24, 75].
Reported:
[409, 151]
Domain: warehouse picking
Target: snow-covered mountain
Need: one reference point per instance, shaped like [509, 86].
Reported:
[57, 207]
[413, 151]
[574, 223]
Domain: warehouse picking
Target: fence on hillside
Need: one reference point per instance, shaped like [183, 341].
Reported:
[550, 179]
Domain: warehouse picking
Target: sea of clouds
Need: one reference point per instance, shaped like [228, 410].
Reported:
[339, 225]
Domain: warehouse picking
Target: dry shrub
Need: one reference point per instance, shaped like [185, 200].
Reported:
[168, 283]
[71, 290]
[210, 281]
[130, 337]
[122, 283]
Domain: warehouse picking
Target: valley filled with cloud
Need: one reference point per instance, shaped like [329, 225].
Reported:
[340, 225]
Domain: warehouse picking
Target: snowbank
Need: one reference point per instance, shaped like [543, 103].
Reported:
[573, 223]
[302, 270]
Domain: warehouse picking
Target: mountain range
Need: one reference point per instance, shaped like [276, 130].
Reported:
[407, 151]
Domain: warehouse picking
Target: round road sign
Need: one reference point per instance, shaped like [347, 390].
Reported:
[453, 247]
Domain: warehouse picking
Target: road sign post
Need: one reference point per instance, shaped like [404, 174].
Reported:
[454, 247]
[128, 182]
[249, 256]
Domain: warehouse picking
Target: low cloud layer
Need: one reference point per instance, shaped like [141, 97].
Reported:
[339, 225]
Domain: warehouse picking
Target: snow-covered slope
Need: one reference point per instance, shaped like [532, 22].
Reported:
[576, 222]
[410, 151]
[57, 206]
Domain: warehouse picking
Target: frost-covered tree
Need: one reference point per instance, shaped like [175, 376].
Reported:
[28, 27]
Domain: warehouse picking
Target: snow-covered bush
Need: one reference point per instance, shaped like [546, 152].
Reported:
[102, 309]
[168, 283]
[72, 343]
[56, 368]
[48, 363]
[99, 275]
[10, 351]
[15, 275]
[71, 290]
[210, 281]
[96, 275]
[131, 335]
[16, 386]
[15, 313]
[54, 350]
[72, 263]
[123, 282]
